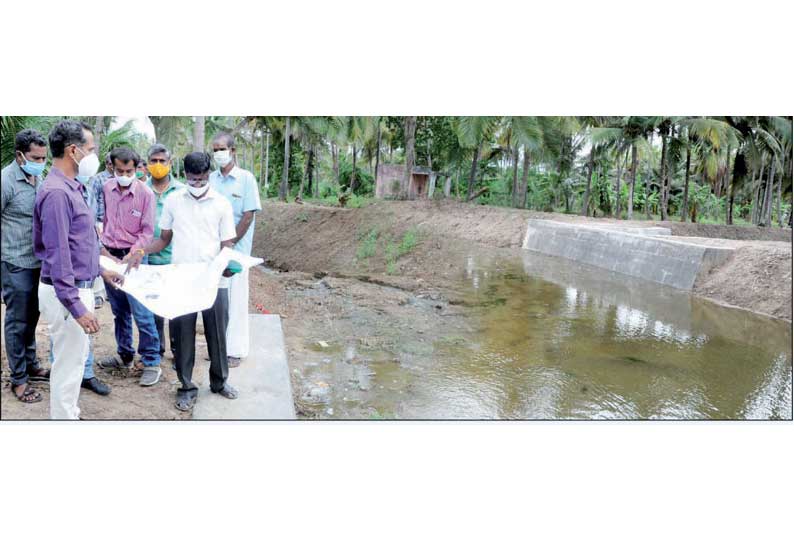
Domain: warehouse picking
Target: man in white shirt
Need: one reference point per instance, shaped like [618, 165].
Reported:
[240, 188]
[197, 223]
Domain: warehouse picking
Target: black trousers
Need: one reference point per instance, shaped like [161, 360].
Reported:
[21, 296]
[216, 318]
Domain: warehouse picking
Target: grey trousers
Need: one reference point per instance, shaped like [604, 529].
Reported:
[21, 295]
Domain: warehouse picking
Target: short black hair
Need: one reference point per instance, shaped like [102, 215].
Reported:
[26, 138]
[197, 163]
[229, 139]
[157, 148]
[139, 160]
[65, 133]
[124, 155]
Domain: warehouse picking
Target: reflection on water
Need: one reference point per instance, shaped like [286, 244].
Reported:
[570, 343]
[544, 338]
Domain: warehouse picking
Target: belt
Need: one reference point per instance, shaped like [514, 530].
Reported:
[118, 252]
[78, 283]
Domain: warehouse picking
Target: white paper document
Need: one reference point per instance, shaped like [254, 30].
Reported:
[177, 289]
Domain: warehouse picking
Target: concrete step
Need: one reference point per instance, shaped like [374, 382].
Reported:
[649, 254]
[262, 380]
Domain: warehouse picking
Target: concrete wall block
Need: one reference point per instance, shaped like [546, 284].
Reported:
[645, 255]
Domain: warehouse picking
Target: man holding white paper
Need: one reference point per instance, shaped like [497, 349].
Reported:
[197, 223]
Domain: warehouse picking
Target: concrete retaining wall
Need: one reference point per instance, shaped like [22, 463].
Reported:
[645, 253]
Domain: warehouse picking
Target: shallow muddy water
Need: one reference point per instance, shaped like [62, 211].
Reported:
[536, 337]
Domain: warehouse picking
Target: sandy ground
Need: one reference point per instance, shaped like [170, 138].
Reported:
[127, 400]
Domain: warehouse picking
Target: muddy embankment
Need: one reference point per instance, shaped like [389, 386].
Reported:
[366, 243]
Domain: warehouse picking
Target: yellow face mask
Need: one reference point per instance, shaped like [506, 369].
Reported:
[158, 171]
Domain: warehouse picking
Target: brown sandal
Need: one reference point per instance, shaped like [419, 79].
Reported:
[29, 394]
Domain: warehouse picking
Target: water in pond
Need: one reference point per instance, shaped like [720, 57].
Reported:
[548, 339]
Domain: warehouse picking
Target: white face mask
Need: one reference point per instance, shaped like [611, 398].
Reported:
[222, 158]
[198, 191]
[125, 181]
[88, 165]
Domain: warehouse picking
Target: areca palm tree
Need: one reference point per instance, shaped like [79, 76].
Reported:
[472, 133]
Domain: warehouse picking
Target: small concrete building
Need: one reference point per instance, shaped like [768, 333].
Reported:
[422, 184]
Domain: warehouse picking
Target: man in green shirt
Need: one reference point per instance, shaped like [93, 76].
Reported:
[163, 185]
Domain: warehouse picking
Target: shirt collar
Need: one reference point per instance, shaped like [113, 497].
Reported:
[19, 175]
[171, 184]
[130, 189]
[211, 194]
[74, 184]
[234, 173]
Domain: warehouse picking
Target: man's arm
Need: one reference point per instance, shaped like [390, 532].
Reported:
[146, 235]
[243, 225]
[134, 258]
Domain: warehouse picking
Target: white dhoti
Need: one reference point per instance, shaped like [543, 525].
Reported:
[69, 347]
[237, 340]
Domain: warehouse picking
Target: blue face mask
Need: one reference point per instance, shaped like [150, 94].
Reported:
[33, 168]
[83, 179]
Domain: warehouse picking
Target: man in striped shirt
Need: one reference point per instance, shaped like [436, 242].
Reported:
[128, 227]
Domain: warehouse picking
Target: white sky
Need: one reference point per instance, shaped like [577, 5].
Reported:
[142, 124]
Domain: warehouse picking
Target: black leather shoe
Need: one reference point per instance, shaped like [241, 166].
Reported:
[95, 385]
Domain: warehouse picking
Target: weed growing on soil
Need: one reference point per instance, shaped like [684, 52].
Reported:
[302, 217]
[368, 245]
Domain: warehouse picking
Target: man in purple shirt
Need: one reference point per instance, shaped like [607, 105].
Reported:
[128, 226]
[65, 240]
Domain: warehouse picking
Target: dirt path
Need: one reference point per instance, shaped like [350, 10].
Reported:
[127, 400]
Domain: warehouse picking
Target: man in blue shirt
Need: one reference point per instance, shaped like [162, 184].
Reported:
[240, 188]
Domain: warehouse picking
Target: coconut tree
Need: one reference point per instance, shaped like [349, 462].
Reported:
[473, 133]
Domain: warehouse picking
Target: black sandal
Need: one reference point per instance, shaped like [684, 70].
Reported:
[185, 403]
[227, 391]
[41, 375]
[29, 394]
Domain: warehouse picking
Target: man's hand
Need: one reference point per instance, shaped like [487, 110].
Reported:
[89, 323]
[113, 278]
[227, 273]
[133, 260]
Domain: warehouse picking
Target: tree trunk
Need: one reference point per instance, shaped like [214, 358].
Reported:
[766, 209]
[409, 127]
[262, 179]
[617, 183]
[306, 173]
[634, 160]
[99, 128]
[648, 175]
[335, 162]
[779, 197]
[729, 189]
[590, 168]
[283, 190]
[685, 203]
[198, 134]
[663, 175]
[377, 157]
[353, 176]
[525, 179]
[473, 174]
[516, 195]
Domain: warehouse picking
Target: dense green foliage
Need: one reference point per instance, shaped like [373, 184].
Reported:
[714, 169]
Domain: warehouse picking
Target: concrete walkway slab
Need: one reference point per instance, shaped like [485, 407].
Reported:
[262, 380]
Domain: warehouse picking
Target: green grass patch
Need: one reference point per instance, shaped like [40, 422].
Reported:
[368, 245]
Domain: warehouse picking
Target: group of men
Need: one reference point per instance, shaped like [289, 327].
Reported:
[54, 230]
